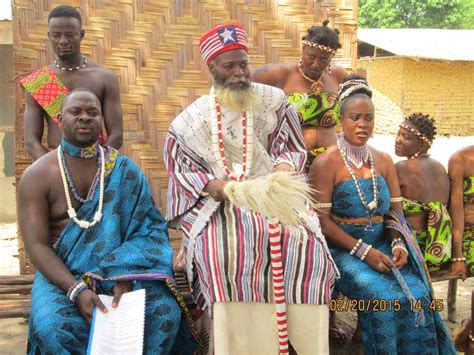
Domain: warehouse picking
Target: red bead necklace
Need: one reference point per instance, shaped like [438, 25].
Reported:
[220, 137]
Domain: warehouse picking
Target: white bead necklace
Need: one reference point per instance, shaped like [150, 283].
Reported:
[358, 156]
[372, 205]
[218, 140]
[83, 65]
[70, 209]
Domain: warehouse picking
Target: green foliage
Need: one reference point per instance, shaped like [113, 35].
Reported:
[467, 21]
[451, 14]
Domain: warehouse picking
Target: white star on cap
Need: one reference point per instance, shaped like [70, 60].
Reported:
[227, 35]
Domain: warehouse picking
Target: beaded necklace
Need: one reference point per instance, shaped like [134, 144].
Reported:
[358, 156]
[316, 85]
[372, 205]
[70, 209]
[418, 155]
[218, 140]
[73, 187]
[81, 152]
[83, 65]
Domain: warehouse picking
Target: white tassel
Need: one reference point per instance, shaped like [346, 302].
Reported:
[279, 195]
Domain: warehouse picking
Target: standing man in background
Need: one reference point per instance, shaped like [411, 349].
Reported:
[46, 87]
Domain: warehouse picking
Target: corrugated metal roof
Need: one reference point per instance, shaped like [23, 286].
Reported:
[422, 43]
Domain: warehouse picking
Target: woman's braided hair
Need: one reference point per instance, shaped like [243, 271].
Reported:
[323, 35]
[353, 86]
[424, 124]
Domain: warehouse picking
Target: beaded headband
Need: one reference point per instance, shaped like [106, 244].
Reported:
[361, 85]
[320, 46]
[417, 133]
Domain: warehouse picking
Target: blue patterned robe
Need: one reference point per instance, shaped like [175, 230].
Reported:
[388, 332]
[130, 243]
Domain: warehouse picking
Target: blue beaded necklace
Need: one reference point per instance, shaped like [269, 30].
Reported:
[84, 152]
[88, 153]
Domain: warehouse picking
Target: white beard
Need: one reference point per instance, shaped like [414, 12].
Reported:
[236, 100]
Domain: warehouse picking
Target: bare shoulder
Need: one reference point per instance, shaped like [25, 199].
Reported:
[273, 68]
[338, 73]
[39, 173]
[328, 159]
[104, 72]
[382, 156]
[459, 163]
[401, 166]
[461, 154]
[272, 74]
[437, 166]
[324, 167]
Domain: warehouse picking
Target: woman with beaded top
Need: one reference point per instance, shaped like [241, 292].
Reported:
[424, 185]
[382, 269]
[311, 87]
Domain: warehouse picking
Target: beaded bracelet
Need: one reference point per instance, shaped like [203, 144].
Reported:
[284, 161]
[399, 246]
[355, 247]
[78, 292]
[366, 252]
[361, 250]
[396, 199]
[323, 205]
[74, 291]
[458, 259]
[395, 241]
[72, 287]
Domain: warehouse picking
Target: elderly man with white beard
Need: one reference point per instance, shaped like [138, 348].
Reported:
[239, 132]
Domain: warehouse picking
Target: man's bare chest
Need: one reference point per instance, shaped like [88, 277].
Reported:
[86, 81]
[77, 184]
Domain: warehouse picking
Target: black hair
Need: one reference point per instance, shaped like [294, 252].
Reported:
[76, 90]
[363, 91]
[65, 11]
[424, 124]
[323, 35]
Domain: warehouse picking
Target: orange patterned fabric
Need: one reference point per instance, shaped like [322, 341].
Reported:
[47, 90]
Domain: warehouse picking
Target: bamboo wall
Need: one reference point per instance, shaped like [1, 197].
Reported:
[151, 45]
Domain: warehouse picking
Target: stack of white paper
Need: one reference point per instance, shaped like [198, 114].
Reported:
[120, 330]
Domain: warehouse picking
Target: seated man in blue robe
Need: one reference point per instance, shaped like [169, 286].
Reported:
[90, 226]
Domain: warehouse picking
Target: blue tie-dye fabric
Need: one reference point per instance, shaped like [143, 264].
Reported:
[129, 243]
[389, 331]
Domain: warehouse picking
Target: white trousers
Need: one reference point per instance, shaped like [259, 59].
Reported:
[251, 328]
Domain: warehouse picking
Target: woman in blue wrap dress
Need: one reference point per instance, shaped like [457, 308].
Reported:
[381, 266]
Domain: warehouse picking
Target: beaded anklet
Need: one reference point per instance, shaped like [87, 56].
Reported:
[458, 259]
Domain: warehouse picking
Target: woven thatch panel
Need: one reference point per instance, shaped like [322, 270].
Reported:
[151, 45]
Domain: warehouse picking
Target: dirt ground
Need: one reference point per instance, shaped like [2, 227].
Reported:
[13, 331]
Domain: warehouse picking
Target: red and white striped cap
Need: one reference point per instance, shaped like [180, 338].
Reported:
[220, 39]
